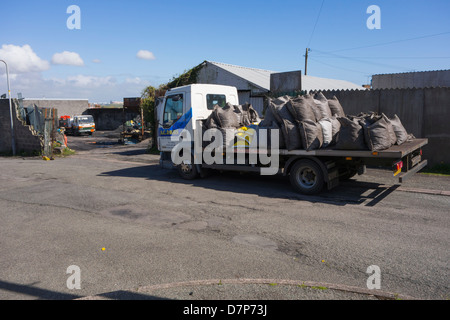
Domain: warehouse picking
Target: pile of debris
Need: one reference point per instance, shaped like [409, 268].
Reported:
[133, 132]
[311, 122]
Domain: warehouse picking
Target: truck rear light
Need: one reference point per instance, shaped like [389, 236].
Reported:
[398, 168]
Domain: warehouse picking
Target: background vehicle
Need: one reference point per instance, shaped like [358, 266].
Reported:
[77, 125]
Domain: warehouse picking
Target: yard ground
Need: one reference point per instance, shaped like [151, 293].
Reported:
[137, 231]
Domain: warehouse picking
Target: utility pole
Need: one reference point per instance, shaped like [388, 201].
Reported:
[306, 61]
[13, 142]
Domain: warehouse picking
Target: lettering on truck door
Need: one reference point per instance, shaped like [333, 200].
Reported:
[174, 121]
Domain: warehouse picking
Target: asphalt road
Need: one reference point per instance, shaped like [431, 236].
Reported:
[137, 231]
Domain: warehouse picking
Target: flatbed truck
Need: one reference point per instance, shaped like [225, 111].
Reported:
[186, 108]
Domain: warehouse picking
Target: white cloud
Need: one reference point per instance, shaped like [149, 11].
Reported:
[22, 59]
[94, 88]
[136, 80]
[90, 81]
[67, 58]
[26, 76]
[145, 55]
[97, 61]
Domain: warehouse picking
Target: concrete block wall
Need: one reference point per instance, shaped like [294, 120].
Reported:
[5, 126]
[26, 139]
[110, 118]
[64, 106]
[424, 112]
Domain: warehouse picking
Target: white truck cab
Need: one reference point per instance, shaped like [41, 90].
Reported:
[183, 106]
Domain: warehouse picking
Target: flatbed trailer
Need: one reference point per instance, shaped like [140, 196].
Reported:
[185, 109]
[310, 171]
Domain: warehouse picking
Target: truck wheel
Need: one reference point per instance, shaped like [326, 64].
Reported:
[306, 176]
[188, 171]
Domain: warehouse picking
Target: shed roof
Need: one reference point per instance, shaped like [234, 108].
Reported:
[258, 77]
[315, 83]
[261, 78]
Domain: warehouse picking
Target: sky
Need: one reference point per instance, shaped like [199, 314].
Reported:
[114, 49]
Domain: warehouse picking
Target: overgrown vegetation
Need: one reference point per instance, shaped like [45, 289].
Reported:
[68, 152]
[150, 95]
[186, 78]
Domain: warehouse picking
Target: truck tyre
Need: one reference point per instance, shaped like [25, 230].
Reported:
[188, 171]
[307, 177]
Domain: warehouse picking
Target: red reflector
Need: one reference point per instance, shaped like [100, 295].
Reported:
[398, 168]
[420, 151]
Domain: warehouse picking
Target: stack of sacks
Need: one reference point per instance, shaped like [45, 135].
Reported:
[375, 132]
[306, 122]
[229, 119]
[309, 122]
[271, 123]
[327, 118]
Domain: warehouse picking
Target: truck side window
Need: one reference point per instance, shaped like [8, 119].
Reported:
[173, 109]
[215, 99]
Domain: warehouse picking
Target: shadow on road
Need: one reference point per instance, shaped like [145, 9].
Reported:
[350, 192]
[39, 293]
[45, 294]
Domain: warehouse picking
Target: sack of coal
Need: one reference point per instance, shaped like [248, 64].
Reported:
[302, 108]
[311, 135]
[351, 135]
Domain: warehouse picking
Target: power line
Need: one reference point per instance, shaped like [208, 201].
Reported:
[363, 61]
[392, 42]
[333, 66]
[315, 25]
[403, 58]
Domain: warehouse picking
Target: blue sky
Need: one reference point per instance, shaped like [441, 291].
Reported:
[99, 61]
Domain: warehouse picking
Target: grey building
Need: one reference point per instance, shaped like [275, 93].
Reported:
[254, 85]
[423, 79]
[68, 107]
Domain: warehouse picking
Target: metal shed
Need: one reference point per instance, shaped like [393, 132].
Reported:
[252, 84]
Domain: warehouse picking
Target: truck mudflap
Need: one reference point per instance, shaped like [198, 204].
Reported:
[332, 179]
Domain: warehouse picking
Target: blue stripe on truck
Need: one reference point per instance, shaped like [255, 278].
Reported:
[178, 126]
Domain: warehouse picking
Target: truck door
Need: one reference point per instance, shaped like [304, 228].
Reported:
[174, 119]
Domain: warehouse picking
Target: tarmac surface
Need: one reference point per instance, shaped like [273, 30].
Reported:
[224, 238]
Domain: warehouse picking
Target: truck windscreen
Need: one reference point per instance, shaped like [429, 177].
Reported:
[85, 120]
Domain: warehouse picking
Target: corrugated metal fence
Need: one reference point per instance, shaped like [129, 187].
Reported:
[44, 122]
